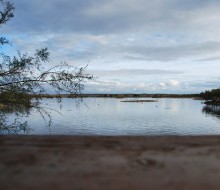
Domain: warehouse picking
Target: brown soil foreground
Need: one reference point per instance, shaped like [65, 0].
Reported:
[109, 163]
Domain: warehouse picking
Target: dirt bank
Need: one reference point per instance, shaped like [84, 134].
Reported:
[78, 163]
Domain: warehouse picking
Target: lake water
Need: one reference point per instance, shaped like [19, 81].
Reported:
[109, 116]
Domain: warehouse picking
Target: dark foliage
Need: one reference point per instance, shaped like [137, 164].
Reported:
[212, 95]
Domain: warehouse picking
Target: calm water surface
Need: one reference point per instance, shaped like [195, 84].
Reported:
[100, 116]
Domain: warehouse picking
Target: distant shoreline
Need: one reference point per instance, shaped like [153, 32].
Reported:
[117, 96]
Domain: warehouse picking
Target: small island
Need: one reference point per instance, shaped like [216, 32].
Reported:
[139, 101]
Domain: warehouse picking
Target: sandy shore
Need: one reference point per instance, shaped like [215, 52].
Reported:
[79, 163]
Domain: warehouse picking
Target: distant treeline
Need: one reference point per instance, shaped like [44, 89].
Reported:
[116, 96]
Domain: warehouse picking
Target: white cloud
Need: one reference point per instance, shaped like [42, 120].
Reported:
[173, 83]
[118, 86]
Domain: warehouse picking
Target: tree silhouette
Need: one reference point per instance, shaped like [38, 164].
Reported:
[24, 74]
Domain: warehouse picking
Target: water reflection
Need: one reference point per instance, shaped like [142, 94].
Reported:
[100, 116]
[18, 119]
[12, 119]
[212, 110]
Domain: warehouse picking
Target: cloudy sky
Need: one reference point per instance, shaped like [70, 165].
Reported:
[132, 46]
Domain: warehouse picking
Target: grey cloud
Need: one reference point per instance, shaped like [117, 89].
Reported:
[135, 58]
[63, 17]
[170, 53]
[123, 34]
[82, 47]
[102, 16]
[51, 15]
[132, 72]
[141, 52]
[145, 52]
[205, 85]
[209, 59]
